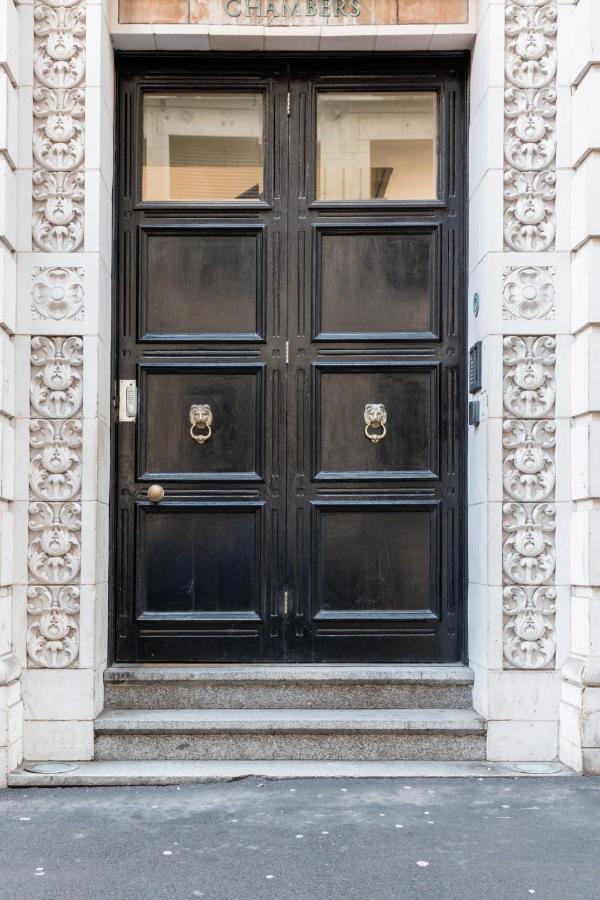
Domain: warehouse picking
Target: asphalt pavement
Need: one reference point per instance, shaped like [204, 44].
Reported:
[330, 839]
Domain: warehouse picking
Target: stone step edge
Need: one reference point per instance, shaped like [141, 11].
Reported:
[192, 721]
[332, 674]
[97, 773]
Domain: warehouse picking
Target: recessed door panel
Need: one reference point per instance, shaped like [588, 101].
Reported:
[202, 283]
[376, 282]
[201, 422]
[376, 420]
[375, 560]
[199, 561]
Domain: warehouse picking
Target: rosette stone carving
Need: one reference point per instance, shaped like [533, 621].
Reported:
[529, 292]
[56, 382]
[529, 385]
[55, 460]
[530, 124]
[58, 137]
[53, 629]
[57, 292]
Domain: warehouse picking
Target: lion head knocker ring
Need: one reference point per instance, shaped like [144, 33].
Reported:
[201, 418]
[375, 420]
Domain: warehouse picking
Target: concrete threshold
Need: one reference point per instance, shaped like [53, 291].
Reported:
[156, 772]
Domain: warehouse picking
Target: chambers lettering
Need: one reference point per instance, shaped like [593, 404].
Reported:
[291, 9]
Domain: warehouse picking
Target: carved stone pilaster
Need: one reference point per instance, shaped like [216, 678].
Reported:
[529, 516]
[58, 135]
[530, 125]
[54, 551]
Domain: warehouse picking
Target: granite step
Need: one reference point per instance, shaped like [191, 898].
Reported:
[290, 734]
[293, 686]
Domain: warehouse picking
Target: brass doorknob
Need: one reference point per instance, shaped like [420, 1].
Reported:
[156, 493]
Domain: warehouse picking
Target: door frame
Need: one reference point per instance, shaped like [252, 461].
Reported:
[154, 64]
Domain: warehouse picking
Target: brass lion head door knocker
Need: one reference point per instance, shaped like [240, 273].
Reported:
[375, 421]
[201, 418]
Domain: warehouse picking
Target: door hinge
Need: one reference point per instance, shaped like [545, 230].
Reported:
[289, 103]
[127, 400]
[285, 604]
[287, 352]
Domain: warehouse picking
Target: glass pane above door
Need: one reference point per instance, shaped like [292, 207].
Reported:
[203, 147]
[377, 145]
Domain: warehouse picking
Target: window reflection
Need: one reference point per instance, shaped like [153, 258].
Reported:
[377, 146]
[203, 147]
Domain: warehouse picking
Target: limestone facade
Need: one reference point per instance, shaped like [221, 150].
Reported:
[534, 262]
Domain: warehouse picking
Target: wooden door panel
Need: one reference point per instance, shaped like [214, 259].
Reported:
[409, 395]
[395, 576]
[235, 394]
[376, 281]
[199, 562]
[202, 283]
[290, 534]
[377, 286]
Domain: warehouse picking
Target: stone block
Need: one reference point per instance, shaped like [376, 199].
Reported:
[8, 120]
[58, 694]
[522, 740]
[9, 39]
[48, 740]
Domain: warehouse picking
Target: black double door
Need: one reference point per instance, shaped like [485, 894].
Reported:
[290, 447]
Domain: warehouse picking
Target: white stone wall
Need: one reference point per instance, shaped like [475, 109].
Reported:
[534, 461]
[580, 694]
[63, 373]
[10, 702]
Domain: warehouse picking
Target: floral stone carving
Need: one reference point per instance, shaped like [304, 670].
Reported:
[529, 479]
[529, 630]
[529, 385]
[55, 464]
[57, 293]
[529, 553]
[56, 383]
[58, 137]
[54, 555]
[529, 471]
[530, 124]
[53, 630]
[529, 292]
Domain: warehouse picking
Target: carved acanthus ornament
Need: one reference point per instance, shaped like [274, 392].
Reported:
[529, 471]
[530, 125]
[529, 631]
[529, 386]
[54, 552]
[55, 459]
[529, 516]
[58, 137]
[53, 632]
[56, 388]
